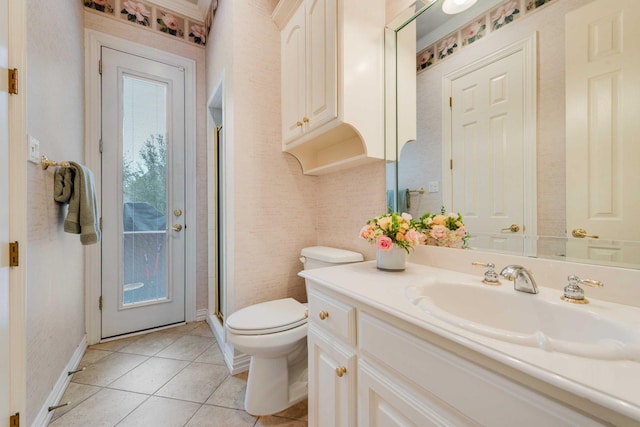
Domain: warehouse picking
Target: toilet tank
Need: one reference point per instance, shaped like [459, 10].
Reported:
[323, 256]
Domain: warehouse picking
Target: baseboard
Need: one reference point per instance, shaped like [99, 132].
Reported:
[44, 416]
[236, 363]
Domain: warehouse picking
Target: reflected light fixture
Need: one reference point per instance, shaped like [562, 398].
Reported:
[451, 7]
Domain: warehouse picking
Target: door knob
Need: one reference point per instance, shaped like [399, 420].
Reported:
[341, 370]
[581, 233]
[514, 228]
[177, 227]
[323, 315]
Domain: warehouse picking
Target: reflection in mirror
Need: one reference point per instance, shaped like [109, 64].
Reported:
[539, 133]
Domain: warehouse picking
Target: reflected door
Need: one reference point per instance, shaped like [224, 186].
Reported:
[143, 243]
[603, 101]
[487, 140]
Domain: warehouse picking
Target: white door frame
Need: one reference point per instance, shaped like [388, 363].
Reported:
[94, 41]
[529, 48]
[17, 174]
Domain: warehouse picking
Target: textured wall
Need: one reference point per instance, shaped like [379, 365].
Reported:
[276, 211]
[158, 41]
[55, 286]
[425, 155]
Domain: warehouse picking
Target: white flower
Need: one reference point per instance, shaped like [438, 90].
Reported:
[199, 32]
[137, 9]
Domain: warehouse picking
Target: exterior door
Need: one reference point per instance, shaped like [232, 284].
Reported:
[143, 246]
[487, 145]
[4, 217]
[603, 100]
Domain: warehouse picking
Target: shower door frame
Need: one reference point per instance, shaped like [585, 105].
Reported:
[94, 41]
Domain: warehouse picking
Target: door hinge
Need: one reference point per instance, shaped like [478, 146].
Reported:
[100, 224]
[100, 66]
[100, 302]
[451, 164]
[14, 420]
[14, 251]
[13, 81]
[450, 102]
[100, 145]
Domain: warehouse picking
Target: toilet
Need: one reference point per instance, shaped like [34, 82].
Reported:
[274, 334]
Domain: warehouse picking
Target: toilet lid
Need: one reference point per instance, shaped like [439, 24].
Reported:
[268, 317]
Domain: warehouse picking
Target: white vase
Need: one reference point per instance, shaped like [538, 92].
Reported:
[393, 260]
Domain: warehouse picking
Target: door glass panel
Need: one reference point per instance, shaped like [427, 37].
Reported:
[144, 190]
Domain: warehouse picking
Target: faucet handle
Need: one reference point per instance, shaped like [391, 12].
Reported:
[574, 293]
[490, 276]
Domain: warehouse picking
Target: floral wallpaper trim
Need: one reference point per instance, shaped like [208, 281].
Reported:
[154, 18]
[504, 14]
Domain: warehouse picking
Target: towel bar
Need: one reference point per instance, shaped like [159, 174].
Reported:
[45, 163]
[419, 190]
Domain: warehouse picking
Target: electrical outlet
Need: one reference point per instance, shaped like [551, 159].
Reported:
[434, 187]
[34, 150]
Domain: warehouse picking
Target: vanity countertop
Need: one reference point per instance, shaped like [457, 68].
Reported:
[613, 384]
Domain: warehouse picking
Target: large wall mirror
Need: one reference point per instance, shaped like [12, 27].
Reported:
[522, 115]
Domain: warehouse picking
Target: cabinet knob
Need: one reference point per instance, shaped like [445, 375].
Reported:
[323, 315]
[340, 371]
[298, 123]
[305, 119]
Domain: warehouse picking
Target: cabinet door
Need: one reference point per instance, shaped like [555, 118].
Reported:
[322, 73]
[386, 401]
[332, 397]
[293, 76]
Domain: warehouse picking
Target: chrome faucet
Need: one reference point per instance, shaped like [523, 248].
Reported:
[521, 277]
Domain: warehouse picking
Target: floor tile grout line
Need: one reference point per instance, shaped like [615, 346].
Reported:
[134, 409]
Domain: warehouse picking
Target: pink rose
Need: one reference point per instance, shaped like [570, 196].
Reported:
[439, 232]
[384, 243]
[406, 216]
[414, 237]
[170, 21]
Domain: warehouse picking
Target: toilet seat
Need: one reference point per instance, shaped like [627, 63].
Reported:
[268, 317]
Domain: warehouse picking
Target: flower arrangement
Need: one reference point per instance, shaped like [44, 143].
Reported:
[392, 229]
[443, 229]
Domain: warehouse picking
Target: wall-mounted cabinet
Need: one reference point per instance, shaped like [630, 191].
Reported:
[332, 82]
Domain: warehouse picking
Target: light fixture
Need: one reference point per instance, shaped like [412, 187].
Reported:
[451, 7]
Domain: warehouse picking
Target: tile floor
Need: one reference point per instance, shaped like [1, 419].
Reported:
[175, 377]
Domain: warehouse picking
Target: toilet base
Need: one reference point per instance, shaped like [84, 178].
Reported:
[275, 384]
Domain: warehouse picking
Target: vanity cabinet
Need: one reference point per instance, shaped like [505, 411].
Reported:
[332, 361]
[332, 82]
[399, 375]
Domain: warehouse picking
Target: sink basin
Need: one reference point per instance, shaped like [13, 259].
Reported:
[541, 320]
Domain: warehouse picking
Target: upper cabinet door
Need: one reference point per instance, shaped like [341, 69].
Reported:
[322, 73]
[293, 76]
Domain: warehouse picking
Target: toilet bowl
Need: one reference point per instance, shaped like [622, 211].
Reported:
[274, 334]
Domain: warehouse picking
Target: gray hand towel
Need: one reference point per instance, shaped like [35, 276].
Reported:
[75, 186]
